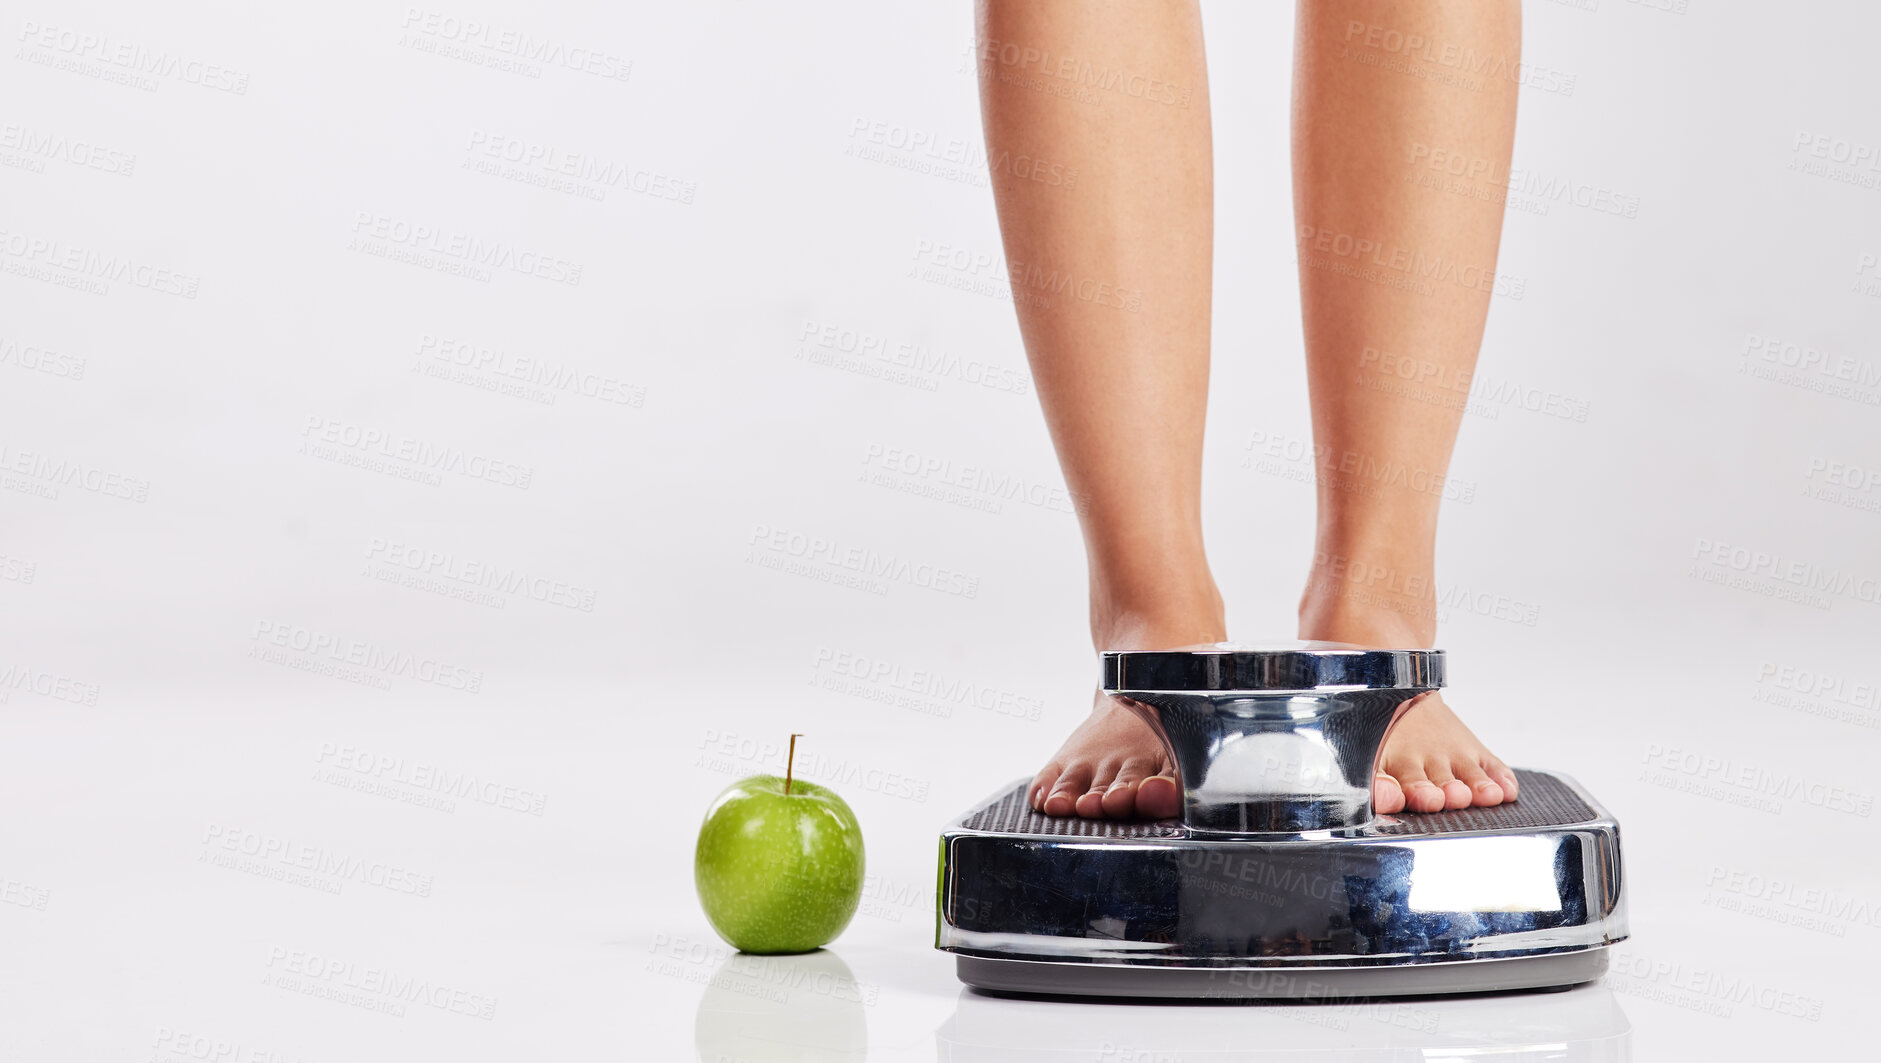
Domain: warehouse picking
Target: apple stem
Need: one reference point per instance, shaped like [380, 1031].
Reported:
[792, 759]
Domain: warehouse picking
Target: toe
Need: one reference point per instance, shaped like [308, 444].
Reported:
[1420, 794]
[1042, 783]
[1455, 793]
[1503, 775]
[1158, 797]
[1387, 795]
[1484, 791]
[1119, 800]
[1091, 803]
[1072, 783]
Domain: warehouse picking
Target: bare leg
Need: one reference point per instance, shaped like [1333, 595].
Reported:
[1391, 269]
[1124, 388]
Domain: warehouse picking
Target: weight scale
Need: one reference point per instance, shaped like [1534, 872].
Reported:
[1278, 881]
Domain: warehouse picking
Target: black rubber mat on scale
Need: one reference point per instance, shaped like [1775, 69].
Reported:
[1546, 801]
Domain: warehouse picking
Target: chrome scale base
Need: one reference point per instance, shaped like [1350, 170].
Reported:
[1279, 882]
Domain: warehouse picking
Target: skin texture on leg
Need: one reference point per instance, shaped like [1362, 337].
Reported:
[1396, 269]
[1111, 278]
[1387, 265]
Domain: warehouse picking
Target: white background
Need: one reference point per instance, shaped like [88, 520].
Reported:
[209, 297]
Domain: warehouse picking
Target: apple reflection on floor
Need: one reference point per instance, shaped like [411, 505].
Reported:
[764, 1009]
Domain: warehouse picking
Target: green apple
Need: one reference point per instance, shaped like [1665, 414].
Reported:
[779, 865]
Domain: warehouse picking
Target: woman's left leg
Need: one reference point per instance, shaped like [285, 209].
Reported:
[1393, 269]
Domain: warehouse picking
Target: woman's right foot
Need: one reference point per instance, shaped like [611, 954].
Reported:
[1113, 766]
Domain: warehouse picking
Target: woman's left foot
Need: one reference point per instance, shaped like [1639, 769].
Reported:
[1433, 762]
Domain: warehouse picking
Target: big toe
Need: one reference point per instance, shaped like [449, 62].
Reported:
[1158, 797]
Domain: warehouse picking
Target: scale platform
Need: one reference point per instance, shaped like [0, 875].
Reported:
[1278, 881]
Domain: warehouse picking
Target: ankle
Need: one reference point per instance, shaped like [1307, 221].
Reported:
[1172, 617]
[1373, 601]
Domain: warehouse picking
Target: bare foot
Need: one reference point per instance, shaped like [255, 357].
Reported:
[1431, 761]
[1112, 767]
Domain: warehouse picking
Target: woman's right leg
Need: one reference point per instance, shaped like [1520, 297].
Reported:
[1124, 388]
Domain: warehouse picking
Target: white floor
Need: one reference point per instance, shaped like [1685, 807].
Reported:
[256, 877]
